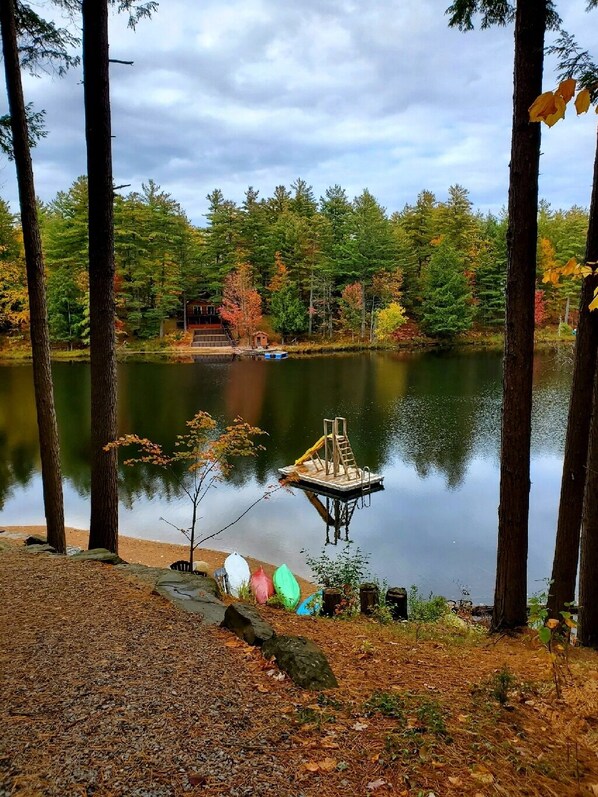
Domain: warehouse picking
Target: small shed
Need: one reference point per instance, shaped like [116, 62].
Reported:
[260, 340]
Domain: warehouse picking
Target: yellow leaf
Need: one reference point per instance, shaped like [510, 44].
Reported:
[542, 106]
[586, 271]
[593, 305]
[569, 267]
[311, 766]
[455, 781]
[552, 275]
[570, 623]
[582, 101]
[567, 89]
[559, 112]
[482, 774]
[327, 764]
[552, 623]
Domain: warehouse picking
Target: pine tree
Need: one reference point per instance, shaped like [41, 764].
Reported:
[447, 303]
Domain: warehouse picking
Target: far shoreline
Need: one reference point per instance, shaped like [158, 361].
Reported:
[152, 350]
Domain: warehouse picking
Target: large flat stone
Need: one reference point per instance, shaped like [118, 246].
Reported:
[40, 548]
[192, 594]
[96, 555]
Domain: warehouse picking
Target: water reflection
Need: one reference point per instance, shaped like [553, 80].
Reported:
[337, 511]
[429, 423]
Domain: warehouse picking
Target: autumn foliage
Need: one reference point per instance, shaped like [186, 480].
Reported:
[205, 456]
[551, 106]
[241, 303]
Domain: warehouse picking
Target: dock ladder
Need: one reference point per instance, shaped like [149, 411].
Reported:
[338, 453]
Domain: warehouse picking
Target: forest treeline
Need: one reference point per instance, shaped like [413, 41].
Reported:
[322, 266]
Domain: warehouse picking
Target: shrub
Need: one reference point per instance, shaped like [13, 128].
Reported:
[425, 610]
[348, 569]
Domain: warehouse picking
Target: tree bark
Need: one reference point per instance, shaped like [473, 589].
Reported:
[36, 286]
[510, 597]
[588, 571]
[564, 567]
[104, 486]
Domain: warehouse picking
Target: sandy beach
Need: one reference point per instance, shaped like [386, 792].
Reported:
[156, 554]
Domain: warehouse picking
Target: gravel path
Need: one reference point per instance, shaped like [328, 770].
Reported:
[109, 690]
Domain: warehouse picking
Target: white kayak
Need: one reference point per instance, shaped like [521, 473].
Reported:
[237, 571]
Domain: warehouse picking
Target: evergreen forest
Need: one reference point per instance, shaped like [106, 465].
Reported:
[333, 266]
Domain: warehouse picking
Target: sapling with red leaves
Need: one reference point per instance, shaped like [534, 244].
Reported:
[207, 458]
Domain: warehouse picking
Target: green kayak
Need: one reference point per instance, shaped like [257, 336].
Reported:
[286, 586]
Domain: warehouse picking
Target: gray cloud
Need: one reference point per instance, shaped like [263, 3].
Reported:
[258, 92]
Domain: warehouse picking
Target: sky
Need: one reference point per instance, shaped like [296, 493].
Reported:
[380, 95]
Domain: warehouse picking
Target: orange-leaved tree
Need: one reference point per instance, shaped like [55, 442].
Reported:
[202, 457]
[241, 303]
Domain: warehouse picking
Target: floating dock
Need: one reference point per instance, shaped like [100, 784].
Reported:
[329, 465]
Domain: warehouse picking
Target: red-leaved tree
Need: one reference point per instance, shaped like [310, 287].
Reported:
[241, 303]
[539, 308]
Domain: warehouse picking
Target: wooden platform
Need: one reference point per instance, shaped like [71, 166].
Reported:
[308, 474]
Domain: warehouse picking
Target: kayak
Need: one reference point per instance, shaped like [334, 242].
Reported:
[261, 585]
[311, 605]
[286, 586]
[238, 573]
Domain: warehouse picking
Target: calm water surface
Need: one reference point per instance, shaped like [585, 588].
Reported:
[429, 423]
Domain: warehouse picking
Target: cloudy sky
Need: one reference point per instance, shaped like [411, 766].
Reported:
[378, 94]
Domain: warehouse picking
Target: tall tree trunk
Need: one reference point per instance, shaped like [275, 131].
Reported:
[588, 571]
[564, 567]
[104, 487]
[36, 286]
[510, 596]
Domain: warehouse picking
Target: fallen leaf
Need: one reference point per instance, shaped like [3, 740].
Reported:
[482, 774]
[262, 689]
[455, 781]
[327, 764]
[462, 717]
[195, 779]
[311, 766]
[359, 726]
[376, 784]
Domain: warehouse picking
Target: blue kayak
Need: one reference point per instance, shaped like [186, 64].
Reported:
[311, 605]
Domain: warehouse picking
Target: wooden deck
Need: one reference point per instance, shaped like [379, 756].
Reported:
[357, 482]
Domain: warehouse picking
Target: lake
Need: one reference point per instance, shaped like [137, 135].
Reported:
[430, 423]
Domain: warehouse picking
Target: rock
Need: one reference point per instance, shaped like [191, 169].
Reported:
[35, 540]
[190, 581]
[302, 660]
[40, 548]
[247, 624]
[201, 567]
[192, 593]
[98, 555]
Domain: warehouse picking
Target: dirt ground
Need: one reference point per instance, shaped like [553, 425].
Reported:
[109, 690]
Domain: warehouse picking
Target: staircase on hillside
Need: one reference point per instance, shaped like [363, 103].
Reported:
[212, 337]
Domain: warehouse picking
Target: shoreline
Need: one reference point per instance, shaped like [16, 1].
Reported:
[153, 553]
[545, 338]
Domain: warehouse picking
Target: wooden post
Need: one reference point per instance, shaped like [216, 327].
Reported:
[331, 598]
[396, 600]
[369, 598]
